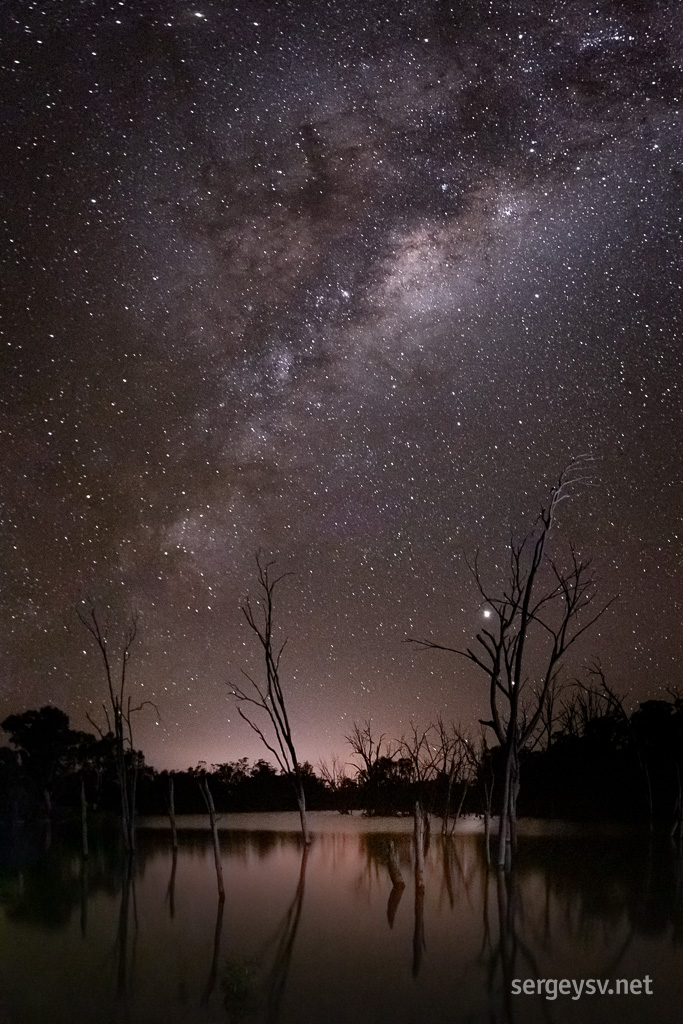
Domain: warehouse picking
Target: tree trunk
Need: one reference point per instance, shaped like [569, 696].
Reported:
[123, 785]
[132, 804]
[419, 846]
[301, 803]
[208, 799]
[504, 819]
[171, 814]
[487, 834]
[465, 787]
[514, 793]
[488, 796]
[447, 808]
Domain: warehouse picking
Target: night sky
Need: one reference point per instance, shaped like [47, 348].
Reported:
[351, 283]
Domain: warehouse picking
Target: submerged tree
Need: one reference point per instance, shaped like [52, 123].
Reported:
[118, 710]
[270, 698]
[365, 745]
[542, 608]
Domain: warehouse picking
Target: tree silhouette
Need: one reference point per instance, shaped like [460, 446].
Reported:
[118, 710]
[271, 699]
[46, 746]
[541, 604]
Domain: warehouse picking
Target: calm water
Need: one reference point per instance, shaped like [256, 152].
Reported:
[322, 938]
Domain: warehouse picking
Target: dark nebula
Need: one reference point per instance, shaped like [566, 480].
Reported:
[351, 283]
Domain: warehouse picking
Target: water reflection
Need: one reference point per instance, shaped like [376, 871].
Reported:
[241, 999]
[170, 892]
[127, 890]
[330, 933]
[213, 971]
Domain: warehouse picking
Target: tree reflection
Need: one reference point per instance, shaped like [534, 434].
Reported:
[241, 982]
[213, 971]
[284, 944]
[419, 944]
[127, 890]
[392, 904]
[45, 889]
[170, 892]
[597, 897]
[511, 956]
[397, 883]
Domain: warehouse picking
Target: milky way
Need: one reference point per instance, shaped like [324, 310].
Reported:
[349, 283]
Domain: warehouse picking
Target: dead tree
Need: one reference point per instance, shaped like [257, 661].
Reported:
[368, 749]
[417, 756]
[581, 707]
[333, 773]
[457, 763]
[544, 605]
[211, 811]
[485, 770]
[171, 812]
[118, 709]
[552, 710]
[270, 698]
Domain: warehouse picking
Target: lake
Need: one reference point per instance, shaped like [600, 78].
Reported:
[322, 937]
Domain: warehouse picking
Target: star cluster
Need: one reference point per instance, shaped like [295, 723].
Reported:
[349, 283]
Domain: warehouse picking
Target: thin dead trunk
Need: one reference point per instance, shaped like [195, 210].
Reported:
[488, 795]
[504, 819]
[128, 840]
[133, 802]
[514, 793]
[208, 800]
[171, 814]
[301, 804]
[270, 700]
[419, 846]
[458, 811]
[447, 808]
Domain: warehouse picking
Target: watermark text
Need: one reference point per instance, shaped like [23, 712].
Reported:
[551, 988]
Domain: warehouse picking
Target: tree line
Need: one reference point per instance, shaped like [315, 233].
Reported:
[545, 748]
[591, 761]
